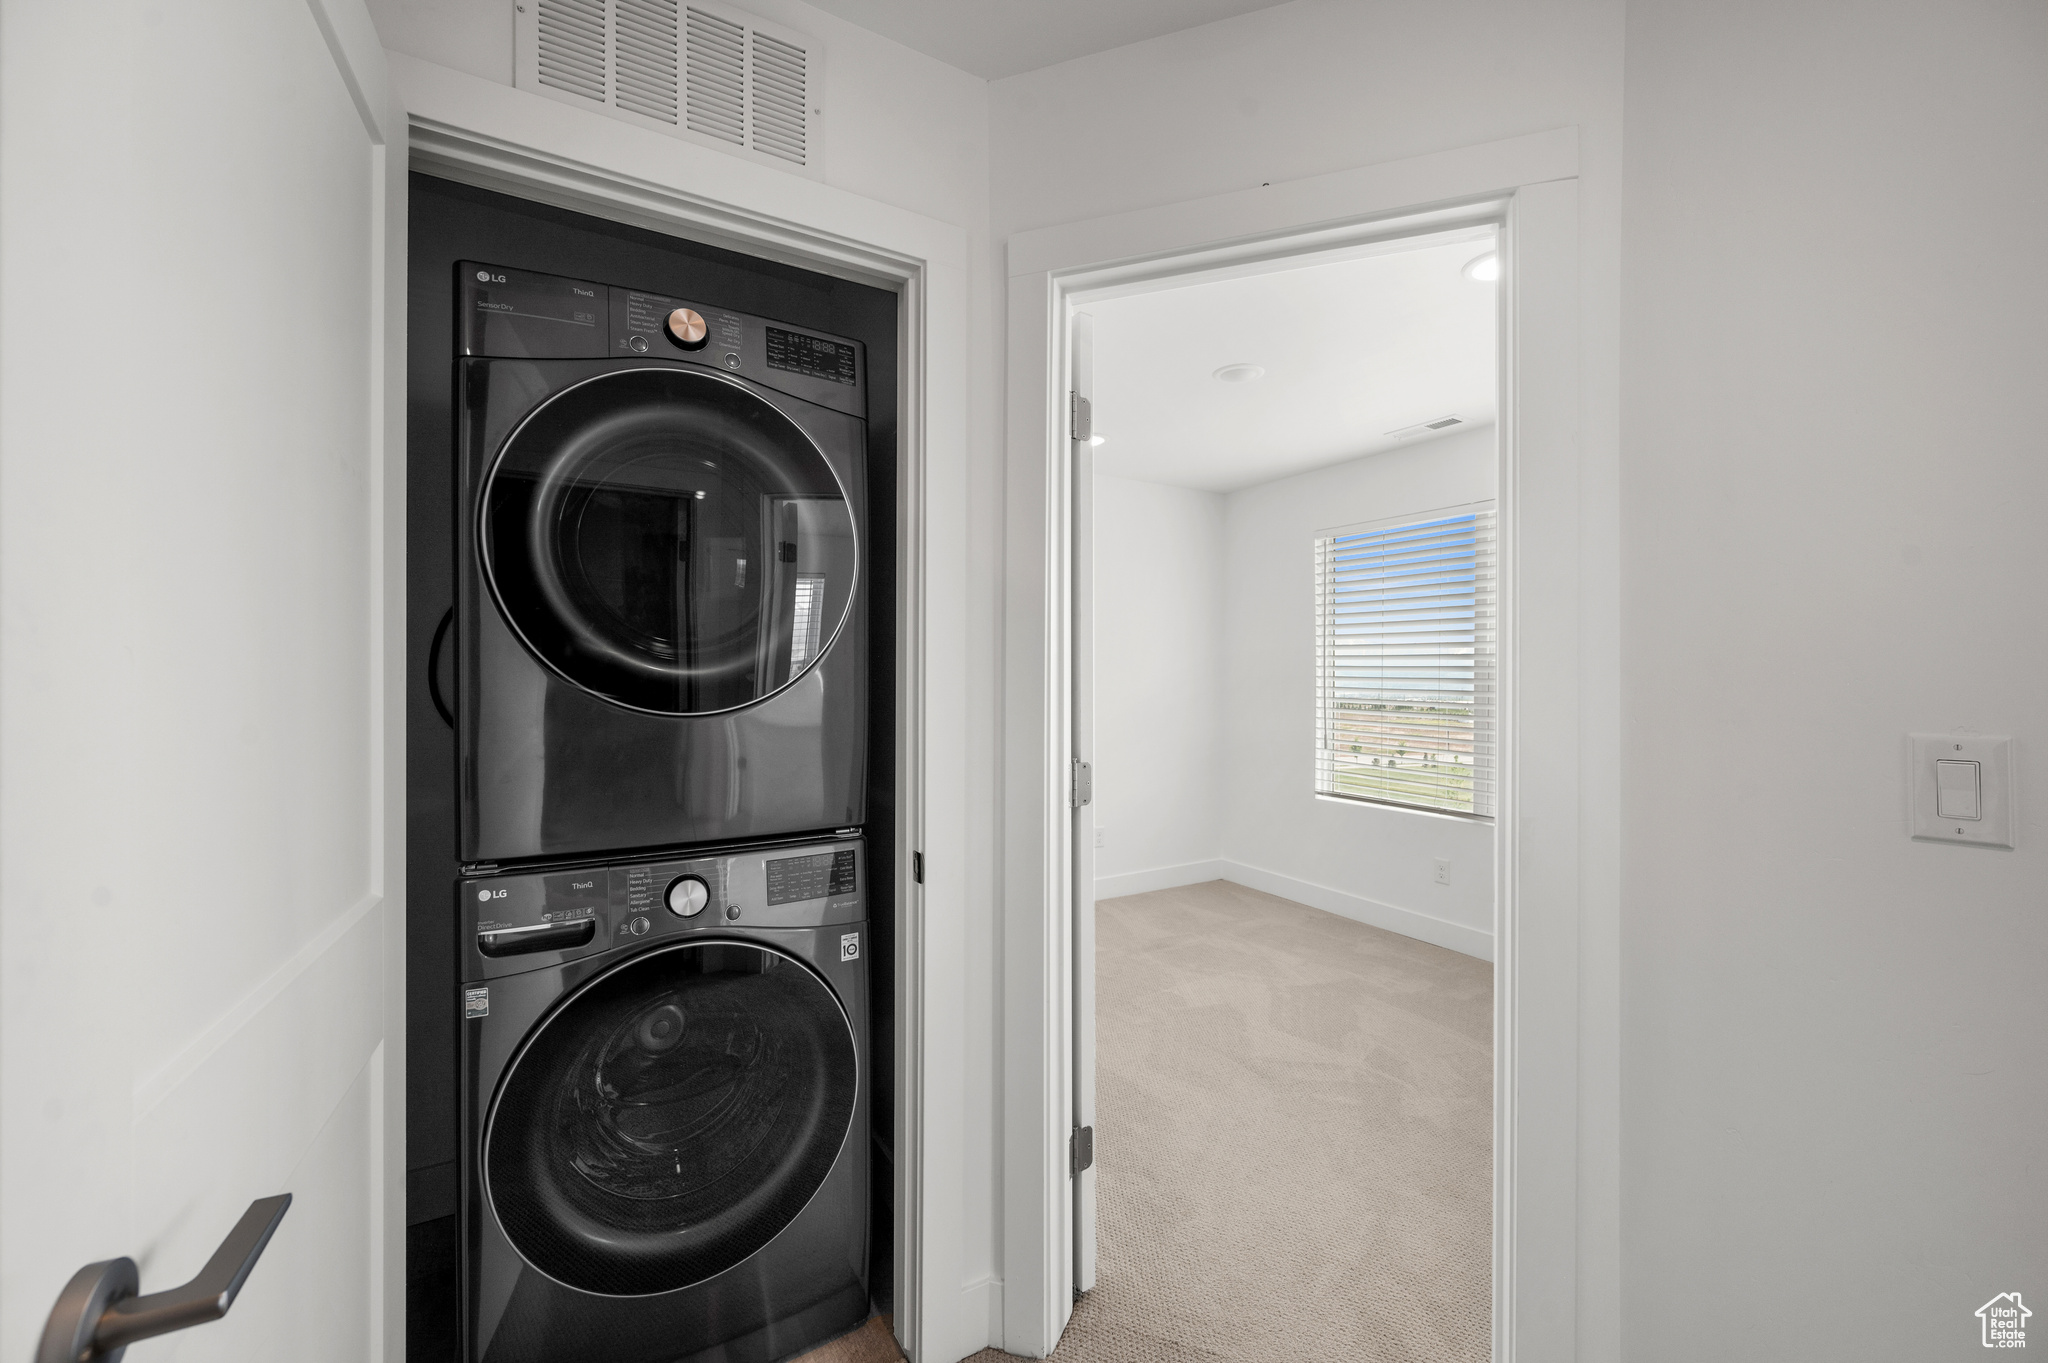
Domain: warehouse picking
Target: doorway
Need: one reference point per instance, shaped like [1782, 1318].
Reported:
[1285, 686]
[1552, 1026]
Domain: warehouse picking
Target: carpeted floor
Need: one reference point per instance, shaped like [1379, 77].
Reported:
[1294, 1139]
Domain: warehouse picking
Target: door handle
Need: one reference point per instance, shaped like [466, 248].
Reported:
[441, 705]
[98, 1315]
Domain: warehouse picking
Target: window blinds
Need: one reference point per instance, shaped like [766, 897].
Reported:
[1405, 661]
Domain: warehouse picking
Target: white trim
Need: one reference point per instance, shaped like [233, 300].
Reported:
[351, 38]
[1557, 548]
[1408, 922]
[519, 143]
[1291, 216]
[984, 1302]
[1158, 878]
[350, 34]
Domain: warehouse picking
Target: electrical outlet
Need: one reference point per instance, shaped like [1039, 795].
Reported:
[1443, 871]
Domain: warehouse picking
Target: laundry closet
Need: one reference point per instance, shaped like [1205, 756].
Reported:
[650, 545]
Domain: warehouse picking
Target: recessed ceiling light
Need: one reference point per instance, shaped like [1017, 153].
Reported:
[1240, 373]
[1097, 439]
[1483, 269]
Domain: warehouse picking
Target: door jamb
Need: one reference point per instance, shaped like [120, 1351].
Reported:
[1556, 810]
[488, 135]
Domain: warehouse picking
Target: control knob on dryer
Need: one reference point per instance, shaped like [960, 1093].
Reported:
[687, 896]
[687, 328]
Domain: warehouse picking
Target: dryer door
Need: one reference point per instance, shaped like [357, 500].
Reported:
[671, 1119]
[668, 540]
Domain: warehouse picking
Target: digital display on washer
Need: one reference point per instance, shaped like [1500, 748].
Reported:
[813, 356]
[797, 878]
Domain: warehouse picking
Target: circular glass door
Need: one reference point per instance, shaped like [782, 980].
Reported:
[668, 541]
[671, 1119]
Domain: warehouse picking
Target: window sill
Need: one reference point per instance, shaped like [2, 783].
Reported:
[1357, 802]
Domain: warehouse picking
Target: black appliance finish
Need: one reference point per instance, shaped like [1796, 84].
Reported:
[665, 1108]
[450, 223]
[661, 627]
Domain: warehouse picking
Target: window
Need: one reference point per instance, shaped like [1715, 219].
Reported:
[1405, 661]
[810, 617]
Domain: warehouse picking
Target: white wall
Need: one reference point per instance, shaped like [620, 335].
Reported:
[1836, 533]
[897, 125]
[1205, 699]
[1159, 664]
[1369, 862]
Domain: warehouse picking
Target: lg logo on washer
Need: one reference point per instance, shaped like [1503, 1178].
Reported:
[486, 896]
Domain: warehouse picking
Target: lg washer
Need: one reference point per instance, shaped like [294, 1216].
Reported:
[664, 1109]
[660, 623]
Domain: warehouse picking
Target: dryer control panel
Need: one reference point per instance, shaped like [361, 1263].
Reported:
[519, 314]
[522, 921]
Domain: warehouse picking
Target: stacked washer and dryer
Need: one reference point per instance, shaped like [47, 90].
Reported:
[660, 706]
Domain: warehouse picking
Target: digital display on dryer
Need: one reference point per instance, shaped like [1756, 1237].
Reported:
[812, 356]
[793, 879]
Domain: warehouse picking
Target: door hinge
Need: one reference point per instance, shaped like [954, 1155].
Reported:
[1080, 417]
[1081, 790]
[1081, 1150]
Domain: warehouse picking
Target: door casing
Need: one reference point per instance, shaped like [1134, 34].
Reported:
[481, 133]
[1555, 1117]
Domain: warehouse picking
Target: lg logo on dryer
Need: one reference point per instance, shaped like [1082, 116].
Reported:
[486, 277]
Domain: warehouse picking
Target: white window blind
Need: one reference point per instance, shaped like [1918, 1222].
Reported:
[1405, 661]
[809, 621]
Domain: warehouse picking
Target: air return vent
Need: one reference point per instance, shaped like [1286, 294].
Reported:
[1442, 423]
[699, 71]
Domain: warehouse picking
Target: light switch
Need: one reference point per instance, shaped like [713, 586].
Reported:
[1958, 790]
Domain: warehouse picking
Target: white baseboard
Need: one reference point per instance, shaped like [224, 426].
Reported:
[1158, 878]
[981, 1307]
[1407, 922]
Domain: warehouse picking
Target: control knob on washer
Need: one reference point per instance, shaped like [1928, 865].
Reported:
[687, 328]
[687, 896]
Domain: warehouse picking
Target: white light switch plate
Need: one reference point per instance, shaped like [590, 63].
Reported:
[1993, 754]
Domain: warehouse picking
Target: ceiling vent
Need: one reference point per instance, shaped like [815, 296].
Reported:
[1442, 423]
[703, 72]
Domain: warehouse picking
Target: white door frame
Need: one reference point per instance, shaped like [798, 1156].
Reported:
[496, 137]
[1554, 1121]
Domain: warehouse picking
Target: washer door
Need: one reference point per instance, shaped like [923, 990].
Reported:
[669, 541]
[671, 1119]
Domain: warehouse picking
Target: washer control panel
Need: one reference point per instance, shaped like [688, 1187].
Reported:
[522, 921]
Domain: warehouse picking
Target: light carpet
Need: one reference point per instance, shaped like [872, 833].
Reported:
[1293, 1138]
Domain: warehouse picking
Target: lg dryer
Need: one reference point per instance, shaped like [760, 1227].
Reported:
[660, 621]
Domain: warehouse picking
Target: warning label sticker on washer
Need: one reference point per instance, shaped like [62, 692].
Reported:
[476, 1003]
[849, 946]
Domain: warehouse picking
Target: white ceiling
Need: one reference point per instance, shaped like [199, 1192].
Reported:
[1352, 350]
[997, 38]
